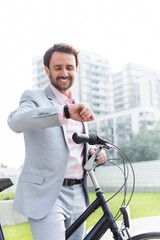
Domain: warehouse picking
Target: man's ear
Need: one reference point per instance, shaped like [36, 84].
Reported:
[47, 71]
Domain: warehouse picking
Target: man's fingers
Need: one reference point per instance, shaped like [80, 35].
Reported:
[80, 112]
[86, 113]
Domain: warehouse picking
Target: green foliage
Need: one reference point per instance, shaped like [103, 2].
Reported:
[144, 146]
[138, 205]
[7, 196]
[18, 232]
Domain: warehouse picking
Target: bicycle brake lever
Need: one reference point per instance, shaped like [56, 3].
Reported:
[89, 164]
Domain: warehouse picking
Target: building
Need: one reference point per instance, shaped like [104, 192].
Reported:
[39, 77]
[136, 86]
[94, 86]
[136, 91]
[117, 126]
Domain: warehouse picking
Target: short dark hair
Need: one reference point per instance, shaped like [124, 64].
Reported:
[60, 47]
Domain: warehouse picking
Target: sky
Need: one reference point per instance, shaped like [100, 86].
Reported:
[121, 30]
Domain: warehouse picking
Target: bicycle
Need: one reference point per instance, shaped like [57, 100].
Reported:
[4, 184]
[107, 221]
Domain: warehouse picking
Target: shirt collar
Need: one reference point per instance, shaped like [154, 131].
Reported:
[62, 99]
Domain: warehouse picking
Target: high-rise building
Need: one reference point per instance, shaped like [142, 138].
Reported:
[40, 79]
[136, 86]
[94, 85]
[136, 103]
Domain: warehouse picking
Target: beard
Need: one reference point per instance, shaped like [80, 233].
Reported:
[61, 83]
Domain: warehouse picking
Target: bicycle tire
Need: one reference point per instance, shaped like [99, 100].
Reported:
[146, 236]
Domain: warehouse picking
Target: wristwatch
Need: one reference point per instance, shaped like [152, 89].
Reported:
[66, 111]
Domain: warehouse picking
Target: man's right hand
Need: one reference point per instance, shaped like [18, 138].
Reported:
[80, 112]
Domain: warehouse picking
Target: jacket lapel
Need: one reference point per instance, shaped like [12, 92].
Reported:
[51, 97]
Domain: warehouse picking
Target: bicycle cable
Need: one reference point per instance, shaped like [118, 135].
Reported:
[125, 161]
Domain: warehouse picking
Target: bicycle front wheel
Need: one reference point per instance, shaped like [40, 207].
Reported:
[145, 236]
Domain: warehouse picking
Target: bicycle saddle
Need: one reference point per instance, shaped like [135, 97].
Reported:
[5, 183]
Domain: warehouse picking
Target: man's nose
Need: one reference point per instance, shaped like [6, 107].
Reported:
[64, 72]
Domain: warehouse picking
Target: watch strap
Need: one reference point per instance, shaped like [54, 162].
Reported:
[66, 111]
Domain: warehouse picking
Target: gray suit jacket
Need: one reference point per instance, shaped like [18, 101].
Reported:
[46, 153]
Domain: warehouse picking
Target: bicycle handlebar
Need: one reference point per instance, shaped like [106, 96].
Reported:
[92, 139]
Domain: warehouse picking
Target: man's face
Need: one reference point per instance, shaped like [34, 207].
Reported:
[62, 71]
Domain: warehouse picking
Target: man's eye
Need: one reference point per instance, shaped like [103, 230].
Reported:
[70, 68]
[57, 68]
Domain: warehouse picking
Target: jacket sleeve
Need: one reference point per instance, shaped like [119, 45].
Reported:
[33, 114]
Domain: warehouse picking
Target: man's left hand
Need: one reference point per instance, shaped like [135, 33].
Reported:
[102, 157]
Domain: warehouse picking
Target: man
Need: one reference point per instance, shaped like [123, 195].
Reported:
[52, 190]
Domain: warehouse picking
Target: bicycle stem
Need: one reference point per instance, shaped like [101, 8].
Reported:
[89, 167]
[94, 180]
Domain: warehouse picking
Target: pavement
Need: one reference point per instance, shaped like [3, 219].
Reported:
[138, 225]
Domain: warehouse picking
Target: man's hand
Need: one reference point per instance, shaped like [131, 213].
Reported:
[81, 112]
[102, 158]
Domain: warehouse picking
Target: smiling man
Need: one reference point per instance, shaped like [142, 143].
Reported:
[53, 181]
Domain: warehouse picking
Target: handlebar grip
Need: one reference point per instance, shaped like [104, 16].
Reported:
[84, 138]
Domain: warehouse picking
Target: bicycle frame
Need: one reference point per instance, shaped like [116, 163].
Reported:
[1, 233]
[106, 221]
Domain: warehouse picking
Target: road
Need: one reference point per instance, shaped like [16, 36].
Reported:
[139, 225]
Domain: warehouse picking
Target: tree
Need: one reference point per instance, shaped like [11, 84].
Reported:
[144, 146]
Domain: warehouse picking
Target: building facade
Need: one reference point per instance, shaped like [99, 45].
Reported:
[136, 86]
[136, 91]
[39, 77]
[118, 126]
[94, 86]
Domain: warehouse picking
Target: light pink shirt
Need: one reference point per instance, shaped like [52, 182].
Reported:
[74, 167]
